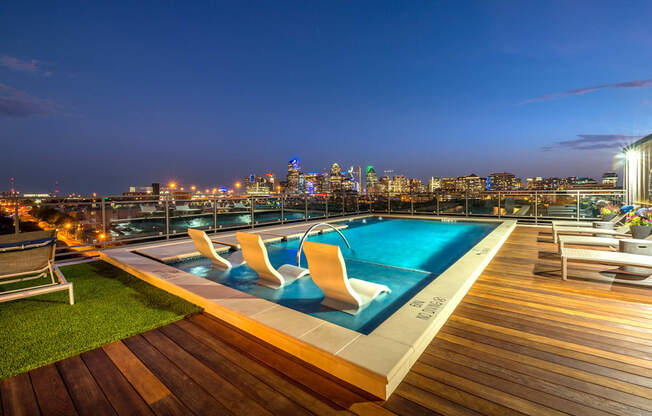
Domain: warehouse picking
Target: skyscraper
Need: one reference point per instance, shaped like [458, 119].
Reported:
[336, 178]
[293, 176]
[371, 180]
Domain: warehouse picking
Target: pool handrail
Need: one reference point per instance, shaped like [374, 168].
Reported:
[305, 235]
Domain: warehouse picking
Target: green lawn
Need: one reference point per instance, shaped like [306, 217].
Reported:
[110, 304]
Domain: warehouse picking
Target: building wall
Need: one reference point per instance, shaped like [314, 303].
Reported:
[637, 171]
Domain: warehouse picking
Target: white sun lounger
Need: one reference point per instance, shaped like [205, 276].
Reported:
[583, 224]
[620, 232]
[614, 258]
[205, 247]
[255, 254]
[328, 271]
[585, 240]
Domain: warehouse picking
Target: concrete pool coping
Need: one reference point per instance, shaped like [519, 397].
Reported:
[376, 362]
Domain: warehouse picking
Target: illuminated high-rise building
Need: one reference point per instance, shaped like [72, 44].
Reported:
[610, 179]
[503, 181]
[336, 178]
[371, 180]
[416, 186]
[434, 185]
[399, 185]
[294, 170]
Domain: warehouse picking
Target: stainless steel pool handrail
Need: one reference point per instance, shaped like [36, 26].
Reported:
[305, 235]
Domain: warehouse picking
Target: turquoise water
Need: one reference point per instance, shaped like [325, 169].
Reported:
[403, 254]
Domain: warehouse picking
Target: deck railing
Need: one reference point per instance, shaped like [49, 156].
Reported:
[88, 223]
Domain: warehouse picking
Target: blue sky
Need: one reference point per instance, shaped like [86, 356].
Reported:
[104, 96]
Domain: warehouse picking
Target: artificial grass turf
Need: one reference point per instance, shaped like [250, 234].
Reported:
[110, 304]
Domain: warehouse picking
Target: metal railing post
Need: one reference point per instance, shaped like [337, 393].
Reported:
[389, 206]
[327, 197]
[215, 214]
[499, 197]
[16, 217]
[305, 207]
[251, 211]
[357, 204]
[411, 204]
[466, 202]
[578, 206]
[437, 203]
[282, 209]
[536, 207]
[343, 205]
[104, 221]
[167, 219]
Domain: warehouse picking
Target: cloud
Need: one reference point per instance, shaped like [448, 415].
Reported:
[643, 83]
[18, 64]
[592, 142]
[19, 104]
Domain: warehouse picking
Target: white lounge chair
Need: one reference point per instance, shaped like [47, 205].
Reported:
[566, 223]
[29, 256]
[255, 254]
[328, 271]
[614, 258]
[619, 232]
[205, 247]
[185, 209]
[585, 240]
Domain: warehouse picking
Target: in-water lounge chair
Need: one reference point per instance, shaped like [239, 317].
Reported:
[619, 232]
[255, 254]
[28, 256]
[205, 247]
[614, 258]
[328, 271]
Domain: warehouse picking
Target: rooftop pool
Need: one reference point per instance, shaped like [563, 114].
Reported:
[404, 254]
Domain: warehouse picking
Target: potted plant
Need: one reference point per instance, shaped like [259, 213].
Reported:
[640, 226]
[608, 213]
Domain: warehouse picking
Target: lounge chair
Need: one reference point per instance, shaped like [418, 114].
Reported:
[619, 232]
[328, 271]
[614, 258]
[205, 247]
[584, 224]
[585, 240]
[185, 209]
[255, 254]
[150, 210]
[28, 256]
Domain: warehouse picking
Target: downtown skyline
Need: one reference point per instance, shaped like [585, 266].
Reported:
[426, 89]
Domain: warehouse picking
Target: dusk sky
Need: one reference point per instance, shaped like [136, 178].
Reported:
[101, 96]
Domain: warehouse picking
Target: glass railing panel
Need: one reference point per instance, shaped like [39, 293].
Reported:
[400, 204]
[425, 204]
[518, 204]
[295, 208]
[267, 210]
[190, 213]
[378, 204]
[335, 206]
[316, 207]
[452, 204]
[131, 219]
[485, 204]
[562, 205]
[350, 205]
[79, 224]
[232, 212]
[365, 205]
[594, 204]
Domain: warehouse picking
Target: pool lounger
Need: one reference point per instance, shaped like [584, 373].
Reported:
[205, 247]
[620, 232]
[328, 271]
[583, 224]
[255, 254]
[614, 258]
[585, 240]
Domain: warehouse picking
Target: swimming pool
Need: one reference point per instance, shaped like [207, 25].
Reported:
[404, 254]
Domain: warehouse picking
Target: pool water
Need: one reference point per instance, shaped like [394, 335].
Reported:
[403, 254]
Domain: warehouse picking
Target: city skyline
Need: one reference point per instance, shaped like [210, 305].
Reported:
[427, 88]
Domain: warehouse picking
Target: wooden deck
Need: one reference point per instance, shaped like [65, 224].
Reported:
[521, 342]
